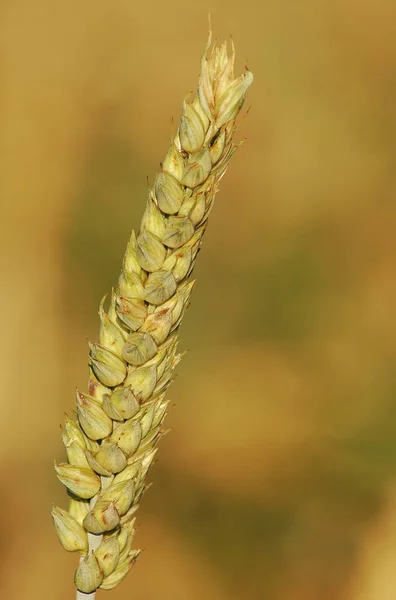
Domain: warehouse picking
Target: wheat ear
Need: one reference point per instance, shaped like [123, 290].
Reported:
[111, 442]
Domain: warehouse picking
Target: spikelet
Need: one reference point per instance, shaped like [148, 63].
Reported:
[112, 443]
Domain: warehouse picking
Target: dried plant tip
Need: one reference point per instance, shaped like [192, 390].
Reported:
[70, 533]
[88, 575]
[83, 483]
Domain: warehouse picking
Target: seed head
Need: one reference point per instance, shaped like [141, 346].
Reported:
[113, 442]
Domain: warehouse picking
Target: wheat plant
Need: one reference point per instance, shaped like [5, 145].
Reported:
[111, 440]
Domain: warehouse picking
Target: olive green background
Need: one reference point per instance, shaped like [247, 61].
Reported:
[278, 478]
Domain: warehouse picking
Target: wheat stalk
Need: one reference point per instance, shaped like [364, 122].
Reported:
[111, 442]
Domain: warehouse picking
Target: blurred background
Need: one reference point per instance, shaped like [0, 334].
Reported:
[278, 479]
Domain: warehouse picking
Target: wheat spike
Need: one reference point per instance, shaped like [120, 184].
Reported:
[112, 441]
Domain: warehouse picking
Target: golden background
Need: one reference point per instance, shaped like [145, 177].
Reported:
[278, 479]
